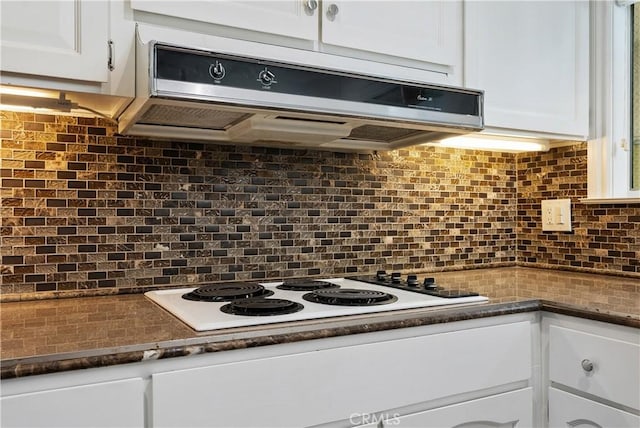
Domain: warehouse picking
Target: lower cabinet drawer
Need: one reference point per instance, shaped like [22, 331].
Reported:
[598, 365]
[568, 410]
[342, 383]
[509, 410]
[109, 404]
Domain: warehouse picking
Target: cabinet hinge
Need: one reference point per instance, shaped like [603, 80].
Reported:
[110, 63]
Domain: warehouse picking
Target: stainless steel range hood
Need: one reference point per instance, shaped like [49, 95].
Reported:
[216, 89]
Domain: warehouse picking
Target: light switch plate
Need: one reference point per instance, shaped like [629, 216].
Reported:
[556, 215]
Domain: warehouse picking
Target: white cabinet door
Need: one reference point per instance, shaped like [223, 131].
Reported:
[283, 17]
[612, 365]
[109, 404]
[425, 35]
[427, 31]
[64, 38]
[570, 411]
[532, 60]
[343, 383]
[509, 410]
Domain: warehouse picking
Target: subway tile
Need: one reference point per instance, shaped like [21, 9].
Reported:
[91, 130]
[56, 147]
[67, 267]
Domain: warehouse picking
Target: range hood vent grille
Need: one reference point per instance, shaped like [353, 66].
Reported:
[191, 117]
[382, 133]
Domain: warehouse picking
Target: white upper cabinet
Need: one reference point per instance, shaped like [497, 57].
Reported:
[532, 60]
[426, 31]
[82, 47]
[65, 39]
[425, 35]
[291, 18]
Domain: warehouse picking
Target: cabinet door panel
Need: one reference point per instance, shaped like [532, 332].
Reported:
[569, 411]
[531, 58]
[508, 410]
[342, 383]
[282, 17]
[615, 373]
[111, 404]
[429, 31]
[66, 38]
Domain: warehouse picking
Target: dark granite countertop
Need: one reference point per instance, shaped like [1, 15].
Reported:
[44, 336]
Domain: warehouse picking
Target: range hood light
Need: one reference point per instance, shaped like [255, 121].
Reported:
[494, 143]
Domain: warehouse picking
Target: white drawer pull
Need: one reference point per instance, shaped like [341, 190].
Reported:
[587, 365]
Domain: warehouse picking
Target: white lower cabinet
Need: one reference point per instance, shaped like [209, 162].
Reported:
[355, 383]
[509, 410]
[595, 364]
[109, 404]
[494, 372]
[572, 411]
[593, 373]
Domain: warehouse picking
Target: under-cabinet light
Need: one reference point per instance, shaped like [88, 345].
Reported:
[494, 143]
[60, 104]
[31, 100]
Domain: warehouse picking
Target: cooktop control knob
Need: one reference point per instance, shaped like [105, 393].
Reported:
[430, 284]
[412, 281]
[381, 275]
[266, 77]
[217, 70]
[396, 277]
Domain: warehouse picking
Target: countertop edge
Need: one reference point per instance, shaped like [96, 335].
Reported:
[22, 367]
[574, 311]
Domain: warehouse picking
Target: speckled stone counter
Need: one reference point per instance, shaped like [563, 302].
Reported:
[65, 334]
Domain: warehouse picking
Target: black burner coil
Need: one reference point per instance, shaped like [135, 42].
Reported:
[261, 307]
[305, 285]
[350, 297]
[227, 292]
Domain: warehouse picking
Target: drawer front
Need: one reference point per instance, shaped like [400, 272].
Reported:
[615, 373]
[110, 404]
[568, 410]
[347, 383]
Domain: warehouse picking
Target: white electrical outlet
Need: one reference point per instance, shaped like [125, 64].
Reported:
[556, 215]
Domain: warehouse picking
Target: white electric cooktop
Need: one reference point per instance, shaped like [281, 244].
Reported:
[207, 315]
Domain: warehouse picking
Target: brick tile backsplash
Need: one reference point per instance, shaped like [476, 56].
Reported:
[86, 211]
[605, 238]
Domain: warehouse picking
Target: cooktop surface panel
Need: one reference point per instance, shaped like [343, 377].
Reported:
[333, 297]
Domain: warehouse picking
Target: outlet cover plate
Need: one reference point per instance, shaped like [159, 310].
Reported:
[556, 215]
